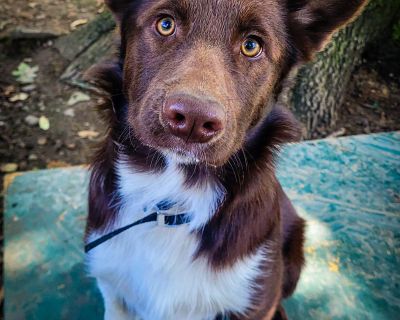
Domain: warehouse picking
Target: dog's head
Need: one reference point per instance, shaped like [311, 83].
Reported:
[199, 75]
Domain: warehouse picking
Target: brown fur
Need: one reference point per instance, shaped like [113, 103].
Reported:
[202, 59]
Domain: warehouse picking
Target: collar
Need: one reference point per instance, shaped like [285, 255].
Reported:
[165, 213]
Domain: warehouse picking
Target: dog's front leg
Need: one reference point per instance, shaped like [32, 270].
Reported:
[114, 307]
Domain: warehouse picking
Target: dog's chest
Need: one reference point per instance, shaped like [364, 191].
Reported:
[152, 268]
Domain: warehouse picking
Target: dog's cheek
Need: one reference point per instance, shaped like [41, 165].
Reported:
[140, 65]
[144, 123]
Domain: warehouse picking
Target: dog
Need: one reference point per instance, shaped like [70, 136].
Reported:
[187, 219]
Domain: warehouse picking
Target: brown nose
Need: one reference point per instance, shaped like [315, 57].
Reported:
[192, 119]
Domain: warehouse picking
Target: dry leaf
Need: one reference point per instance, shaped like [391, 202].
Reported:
[56, 164]
[88, 134]
[309, 250]
[19, 97]
[61, 286]
[9, 167]
[334, 266]
[9, 90]
[61, 217]
[101, 9]
[77, 97]
[78, 23]
[44, 123]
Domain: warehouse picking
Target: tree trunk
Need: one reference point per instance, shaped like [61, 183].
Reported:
[321, 85]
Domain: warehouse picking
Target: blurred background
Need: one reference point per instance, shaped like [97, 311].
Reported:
[47, 114]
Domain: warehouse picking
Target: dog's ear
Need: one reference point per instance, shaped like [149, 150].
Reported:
[119, 7]
[313, 22]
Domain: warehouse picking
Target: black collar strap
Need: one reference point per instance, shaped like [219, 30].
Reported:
[163, 214]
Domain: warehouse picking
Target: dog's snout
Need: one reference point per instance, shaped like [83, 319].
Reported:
[192, 119]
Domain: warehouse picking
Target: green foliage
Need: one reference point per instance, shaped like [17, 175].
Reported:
[377, 3]
[25, 73]
[396, 32]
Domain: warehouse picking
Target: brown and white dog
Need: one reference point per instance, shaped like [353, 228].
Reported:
[193, 121]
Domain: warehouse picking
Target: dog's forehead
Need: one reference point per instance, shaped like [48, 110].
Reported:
[232, 9]
[223, 14]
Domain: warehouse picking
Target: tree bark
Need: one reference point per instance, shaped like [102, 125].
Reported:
[320, 87]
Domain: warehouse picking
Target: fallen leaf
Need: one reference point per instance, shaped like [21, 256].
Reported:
[78, 23]
[88, 134]
[69, 112]
[333, 266]
[61, 286]
[339, 133]
[77, 97]
[31, 120]
[33, 157]
[61, 217]
[9, 167]
[28, 88]
[44, 123]
[25, 73]
[56, 164]
[41, 141]
[9, 90]
[22, 96]
[40, 16]
[309, 250]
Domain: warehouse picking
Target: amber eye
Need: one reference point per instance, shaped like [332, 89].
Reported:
[166, 26]
[251, 48]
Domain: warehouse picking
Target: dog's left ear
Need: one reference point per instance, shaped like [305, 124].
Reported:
[313, 22]
[119, 7]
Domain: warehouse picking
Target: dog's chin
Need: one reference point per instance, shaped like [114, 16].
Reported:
[186, 158]
[180, 157]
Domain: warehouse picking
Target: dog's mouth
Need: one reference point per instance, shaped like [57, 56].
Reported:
[180, 152]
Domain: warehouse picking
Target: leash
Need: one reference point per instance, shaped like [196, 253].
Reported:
[162, 214]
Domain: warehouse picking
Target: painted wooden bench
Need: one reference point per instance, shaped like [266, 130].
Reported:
[348, 189]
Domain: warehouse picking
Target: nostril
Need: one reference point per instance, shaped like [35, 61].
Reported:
[179, 117]
[212, 126]
[209, 126]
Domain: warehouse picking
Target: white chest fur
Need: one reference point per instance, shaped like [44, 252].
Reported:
[152, 269]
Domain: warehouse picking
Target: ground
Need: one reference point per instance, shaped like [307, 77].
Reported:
[44, 18]
[68, 130]
[21, 140]
[372, 102]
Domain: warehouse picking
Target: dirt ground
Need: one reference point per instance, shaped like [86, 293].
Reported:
[44, 18]
[22, 142]
[372, 102]
[45, 123]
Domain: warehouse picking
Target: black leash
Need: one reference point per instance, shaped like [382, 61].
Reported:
[160, 216]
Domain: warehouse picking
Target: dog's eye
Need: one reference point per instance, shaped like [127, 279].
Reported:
[251, 48]
[166, 26]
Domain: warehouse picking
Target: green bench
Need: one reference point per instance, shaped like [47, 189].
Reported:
[348, 189]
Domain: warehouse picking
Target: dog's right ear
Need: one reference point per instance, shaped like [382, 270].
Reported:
[119, 7]
[313, 22]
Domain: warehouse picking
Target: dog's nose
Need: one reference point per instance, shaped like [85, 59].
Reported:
[192, 119]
